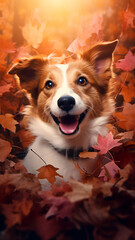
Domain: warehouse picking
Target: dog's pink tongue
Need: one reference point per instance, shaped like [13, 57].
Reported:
[68, 125]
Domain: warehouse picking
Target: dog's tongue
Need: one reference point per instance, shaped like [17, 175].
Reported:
[68, 124]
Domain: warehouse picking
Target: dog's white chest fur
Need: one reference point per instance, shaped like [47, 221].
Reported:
[48, 139]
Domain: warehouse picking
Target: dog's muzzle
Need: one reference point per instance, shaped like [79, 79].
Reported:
[68, 124]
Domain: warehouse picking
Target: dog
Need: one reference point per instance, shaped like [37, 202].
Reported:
[71, 104]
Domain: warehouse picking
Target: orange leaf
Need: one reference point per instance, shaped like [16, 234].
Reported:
[128, 92]
[5, 149]
[88, 154]
[127, 117]
[48, 172]
[7, 121]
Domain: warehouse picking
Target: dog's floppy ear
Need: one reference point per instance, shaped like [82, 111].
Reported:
[100, 58]
[29, 72]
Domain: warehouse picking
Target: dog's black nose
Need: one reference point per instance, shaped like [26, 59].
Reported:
[66, 103]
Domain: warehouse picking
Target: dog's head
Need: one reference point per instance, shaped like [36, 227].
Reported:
[69, 95]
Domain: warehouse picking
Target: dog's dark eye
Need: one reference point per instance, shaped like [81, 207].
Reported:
[82, 81]
[49, 84]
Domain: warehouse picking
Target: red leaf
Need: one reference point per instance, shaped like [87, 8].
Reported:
[109, 170]
[61, 207]
[106, 143]
[128, 63]
[48, 172]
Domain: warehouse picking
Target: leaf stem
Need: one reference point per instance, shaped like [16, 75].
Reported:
[39, 156]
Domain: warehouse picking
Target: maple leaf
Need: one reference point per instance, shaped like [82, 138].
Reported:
[79, 191]
[109, 171]
[4, 88]
[33, 34]
[128, 63]
[126, 118]
[7, 121]
[89, 26]
[75, 46]
[5, 149]
[106, 143]
[48, 172]
[128, 92]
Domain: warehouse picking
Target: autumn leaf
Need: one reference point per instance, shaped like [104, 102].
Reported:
[75, 46]
[33, 34]
[128, 92]
[106, 143]
[126, 118]
[79, 191]
[126, 135]
[109, 170]
[7, 121]
[86, 154]
[48, 172]
[61, 207]
[16, 210]
[5, 149]
[5, 88]
[89, 26]
[128, 63]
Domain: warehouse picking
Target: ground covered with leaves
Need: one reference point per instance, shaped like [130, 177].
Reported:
[102, 205]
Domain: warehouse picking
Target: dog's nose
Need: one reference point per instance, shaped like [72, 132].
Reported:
[66, 103]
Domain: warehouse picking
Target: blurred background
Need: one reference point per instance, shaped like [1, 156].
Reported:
[43, 27]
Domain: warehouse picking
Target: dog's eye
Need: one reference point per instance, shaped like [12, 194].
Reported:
[82, 81]
[49, 84]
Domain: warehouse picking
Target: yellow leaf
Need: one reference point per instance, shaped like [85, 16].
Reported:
[33, 34]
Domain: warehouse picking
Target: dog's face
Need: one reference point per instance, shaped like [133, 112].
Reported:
[69, 95]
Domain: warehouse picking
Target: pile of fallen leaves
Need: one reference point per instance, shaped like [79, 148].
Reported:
[102, 205]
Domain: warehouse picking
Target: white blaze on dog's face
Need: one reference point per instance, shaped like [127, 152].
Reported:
[67, 107]
[69, 96]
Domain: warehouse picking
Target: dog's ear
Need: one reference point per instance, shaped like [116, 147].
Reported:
[29, 72]
[100, 58]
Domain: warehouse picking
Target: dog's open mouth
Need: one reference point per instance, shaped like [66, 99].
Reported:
[69, 124]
